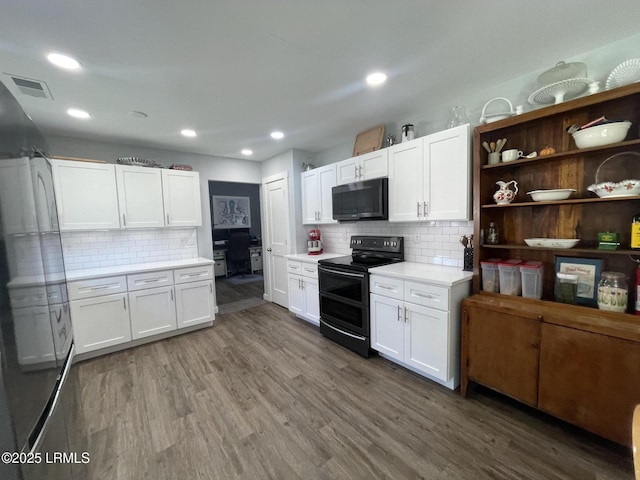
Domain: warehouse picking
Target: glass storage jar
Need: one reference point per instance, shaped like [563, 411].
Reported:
[613, 292]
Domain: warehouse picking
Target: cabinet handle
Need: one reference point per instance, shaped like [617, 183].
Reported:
[423, 295]
[418, 209]
[167, 219]
[172, 294]
[152, 280]
[386, 287]
[124, 303]
[355, 171]
[360, 171]
[211, 287]
[405, 315]
[302, 284]
[425, 209]
[124, 220]
[399, 312]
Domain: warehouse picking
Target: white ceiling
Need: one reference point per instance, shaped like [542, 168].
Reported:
[234, 70]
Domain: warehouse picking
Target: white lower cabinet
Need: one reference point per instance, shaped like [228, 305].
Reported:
[32, 329]
[304, 295]
[152, 311]
[417, 324]
[194, 303]
[100, 322]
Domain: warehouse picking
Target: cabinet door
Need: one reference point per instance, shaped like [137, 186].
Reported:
[296, 295]
[140, 196]
[44, 197]
[326, 181]
[16, 197]
[86, 195]
[347, 171]
[387, 326]
[373, 164]
[194, 303]
[100, 322]
[426, 340]
[502, 350]
[589, 380]
[311, 300]
[153, 311]
[447, 174]
[181, 194]
[34, 338]
[406, 182]
[310, 197]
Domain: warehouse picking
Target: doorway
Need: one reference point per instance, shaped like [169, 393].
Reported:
[237, 245]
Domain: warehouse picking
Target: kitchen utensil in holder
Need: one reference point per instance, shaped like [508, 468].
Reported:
[467, 260]
[493, 117]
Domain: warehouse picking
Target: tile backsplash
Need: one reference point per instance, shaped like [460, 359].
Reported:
[125, 247]
[428, 242]
[34, 254]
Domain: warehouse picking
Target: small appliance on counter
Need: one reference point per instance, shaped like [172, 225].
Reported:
[314, 244]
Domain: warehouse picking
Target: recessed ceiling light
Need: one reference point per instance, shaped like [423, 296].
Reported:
[187, 132]
[138, 114]
[376, 78]
[277, 135]
[77, 113]
[247, 151]
[63, 61]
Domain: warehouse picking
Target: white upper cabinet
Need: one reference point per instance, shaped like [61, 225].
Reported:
[86, 195]
[44, 197]
[363, 167]
[16, 197]
[181, 192]
[429, 177]
[316, 195]
[140, 196]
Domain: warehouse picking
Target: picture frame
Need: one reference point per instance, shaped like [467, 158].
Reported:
[231, 212]
[588, 271]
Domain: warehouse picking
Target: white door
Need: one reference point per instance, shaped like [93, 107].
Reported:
[426, 340]
[181, 193]
[276, 196]
[347, 171]
[326, 181]
[44, 197]
[310, 197]
[140, 196]
[16, 197]
[311, 300]
[152, 311]
[100, 322]
[406, 182]
[447, 161]
[373, 165]
[86, 195]
[296, 296]
[194, 303]
[387, 326]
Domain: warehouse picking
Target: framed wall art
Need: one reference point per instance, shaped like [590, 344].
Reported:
[588, 271]
[230, 212]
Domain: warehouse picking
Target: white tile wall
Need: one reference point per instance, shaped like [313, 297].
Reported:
[126, 247]
[427, 242]
[34, 254]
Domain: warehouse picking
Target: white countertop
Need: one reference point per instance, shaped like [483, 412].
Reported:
[85, 274]
[424, 272]
[305, 257]
[36, 280]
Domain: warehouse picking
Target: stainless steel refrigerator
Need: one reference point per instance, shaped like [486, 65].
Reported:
[40, 408]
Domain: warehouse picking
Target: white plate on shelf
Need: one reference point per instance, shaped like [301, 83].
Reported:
[552, 242]
[624, 74]
[547, 195]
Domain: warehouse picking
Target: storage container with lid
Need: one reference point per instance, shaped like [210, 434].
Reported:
[531, 273]
[490, 276]
[566, 288]
[510, 281]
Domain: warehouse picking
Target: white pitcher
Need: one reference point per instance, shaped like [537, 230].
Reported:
[504, 193]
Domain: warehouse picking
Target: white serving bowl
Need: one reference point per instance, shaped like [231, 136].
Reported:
[556, 194]
[625, 188]
[552, 242]
[601, 134]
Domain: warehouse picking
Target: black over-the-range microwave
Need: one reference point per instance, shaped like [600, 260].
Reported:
[366, 200]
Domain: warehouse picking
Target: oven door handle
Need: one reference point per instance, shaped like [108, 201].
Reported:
[340, 272]
[359, 337]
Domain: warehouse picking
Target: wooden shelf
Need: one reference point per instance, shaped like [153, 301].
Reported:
[570, 201]
[588, 250]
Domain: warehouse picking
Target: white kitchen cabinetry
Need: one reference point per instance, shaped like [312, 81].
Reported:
[32, 329]
[153, 311]
[422, 173]
[316, 195]
[194, 303]
[140, 196]
[417, 325]
[363, 167]
[16, 197]
[181, 193]
[304, 295]
[86, 195]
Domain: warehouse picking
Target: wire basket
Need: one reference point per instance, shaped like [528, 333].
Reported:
[136, 161]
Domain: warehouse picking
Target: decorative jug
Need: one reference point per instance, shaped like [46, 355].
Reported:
[504, 193]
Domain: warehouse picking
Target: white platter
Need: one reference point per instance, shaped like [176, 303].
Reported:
[555, 194]
[552, 242]
[624, 74]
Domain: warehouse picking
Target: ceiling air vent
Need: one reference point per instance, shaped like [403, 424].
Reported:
[31, 87]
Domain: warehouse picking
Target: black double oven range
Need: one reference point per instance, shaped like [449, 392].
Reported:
[344, 289]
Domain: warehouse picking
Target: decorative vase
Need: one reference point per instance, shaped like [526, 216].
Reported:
[504, 193]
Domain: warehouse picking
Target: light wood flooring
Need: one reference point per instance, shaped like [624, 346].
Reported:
[227, 292]
[262, 395]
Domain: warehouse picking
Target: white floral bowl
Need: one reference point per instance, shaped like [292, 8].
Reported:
[625, 188]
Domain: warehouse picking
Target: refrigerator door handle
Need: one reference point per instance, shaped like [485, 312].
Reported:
[34, 446]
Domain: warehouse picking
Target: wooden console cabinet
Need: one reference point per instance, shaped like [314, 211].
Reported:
[575, 362]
